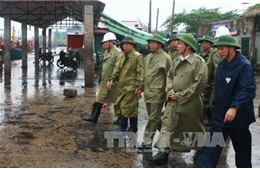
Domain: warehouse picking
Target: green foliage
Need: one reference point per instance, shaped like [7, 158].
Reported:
[252, 11]
[199, 16]
[256, 6]
[60, 37]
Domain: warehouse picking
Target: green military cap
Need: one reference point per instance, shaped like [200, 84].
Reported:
[174, 37]
[189, 40]
[227, 40]
[207, 38]
[157, 38]
[128, 39]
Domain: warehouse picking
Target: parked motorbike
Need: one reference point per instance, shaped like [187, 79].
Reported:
[46, 57]
[67, 60]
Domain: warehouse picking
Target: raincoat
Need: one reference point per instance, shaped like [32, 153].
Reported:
[128, 73]
[187, 79]
[153, 78]
[111, 58]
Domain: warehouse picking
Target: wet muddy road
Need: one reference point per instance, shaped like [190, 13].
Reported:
[39, 127]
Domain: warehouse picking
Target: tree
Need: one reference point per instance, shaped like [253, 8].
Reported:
[199, 16]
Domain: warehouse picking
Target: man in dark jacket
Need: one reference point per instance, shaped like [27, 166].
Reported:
[233, 109]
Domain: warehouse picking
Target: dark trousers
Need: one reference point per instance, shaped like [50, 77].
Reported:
[208, 157]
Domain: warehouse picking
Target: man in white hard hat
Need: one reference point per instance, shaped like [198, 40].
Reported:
[111, 58]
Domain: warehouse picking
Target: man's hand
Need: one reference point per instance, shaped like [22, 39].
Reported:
[230, 115]
[173, 96]
[109, 84]
[138, 93]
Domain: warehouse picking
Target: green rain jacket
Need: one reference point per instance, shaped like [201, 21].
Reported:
[187, 79]
[153, 78]
[111, 59]
[212, 63]
[128, 73]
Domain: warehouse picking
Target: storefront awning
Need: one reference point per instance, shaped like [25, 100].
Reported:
[124, 30]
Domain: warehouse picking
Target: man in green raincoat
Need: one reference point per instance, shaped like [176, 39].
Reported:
[127, 73]
[153, 83]
[206, 46]
[183, 115]
[111, 58]
[172, 49]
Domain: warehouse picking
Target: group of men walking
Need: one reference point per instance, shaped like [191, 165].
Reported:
[182, 81]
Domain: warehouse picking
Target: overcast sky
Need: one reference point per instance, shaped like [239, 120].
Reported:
[131, 10]
[139, 9]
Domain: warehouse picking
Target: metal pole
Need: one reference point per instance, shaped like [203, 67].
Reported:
[157, 19]
[173, 6]
[150, 16]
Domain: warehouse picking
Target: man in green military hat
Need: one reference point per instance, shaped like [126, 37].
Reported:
[184, 111]
[127, 73]
[206, 46]
[233, 109]
[172, 49]
[153, 82]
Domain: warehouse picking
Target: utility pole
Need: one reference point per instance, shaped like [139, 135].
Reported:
[157, 20]
[150, 16]
[173, 6]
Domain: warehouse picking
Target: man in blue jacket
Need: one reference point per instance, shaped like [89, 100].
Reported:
[233, 109]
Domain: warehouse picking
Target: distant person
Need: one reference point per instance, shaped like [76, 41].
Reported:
[111, 58]
[172, 48]
[233, 109]
[206, 46]
[98, 63]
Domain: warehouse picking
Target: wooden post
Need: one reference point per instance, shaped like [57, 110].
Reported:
[150, 16]
[88, 45]
[157, 19]
[172, 23]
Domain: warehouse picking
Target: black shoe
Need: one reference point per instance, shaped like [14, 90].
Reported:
[160, 158]
[117, 121]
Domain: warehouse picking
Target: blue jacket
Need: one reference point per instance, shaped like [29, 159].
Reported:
[234, 87]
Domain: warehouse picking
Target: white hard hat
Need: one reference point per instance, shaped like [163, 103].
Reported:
[109, 37]
[222, 31]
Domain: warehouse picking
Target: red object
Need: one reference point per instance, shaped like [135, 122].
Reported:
[75, 41]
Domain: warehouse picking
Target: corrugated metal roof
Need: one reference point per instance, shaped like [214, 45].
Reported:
[47, 13]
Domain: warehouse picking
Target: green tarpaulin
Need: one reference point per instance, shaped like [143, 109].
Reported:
[122, 29]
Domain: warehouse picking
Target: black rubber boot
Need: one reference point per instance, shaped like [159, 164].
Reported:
[160, 158]
[92, 112]
[95, 113]
[133, 125]
[123, 124]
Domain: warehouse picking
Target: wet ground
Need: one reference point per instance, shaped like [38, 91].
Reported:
[39, 127]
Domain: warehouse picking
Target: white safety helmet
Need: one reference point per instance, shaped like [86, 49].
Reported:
[222, 31]
[109, 36]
